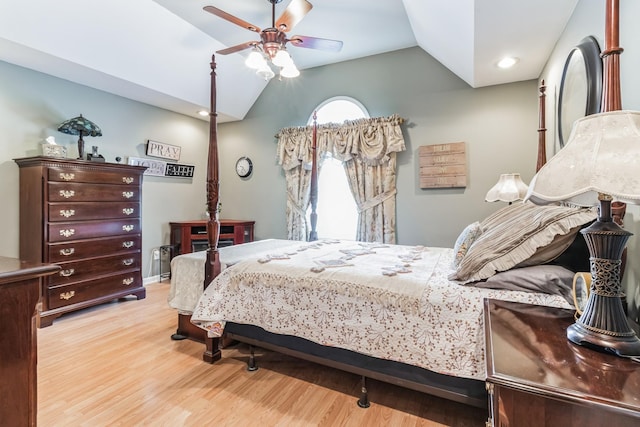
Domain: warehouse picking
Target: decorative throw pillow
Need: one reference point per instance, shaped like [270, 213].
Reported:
[514, 234]
[469, 235]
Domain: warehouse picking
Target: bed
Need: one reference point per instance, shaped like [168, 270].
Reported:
[408, 315]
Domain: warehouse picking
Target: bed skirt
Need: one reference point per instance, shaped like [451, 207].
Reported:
[463, 390]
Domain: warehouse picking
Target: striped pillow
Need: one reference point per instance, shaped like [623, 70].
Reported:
[515, 233]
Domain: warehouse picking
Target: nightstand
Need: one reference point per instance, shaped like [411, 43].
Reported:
[536, 377]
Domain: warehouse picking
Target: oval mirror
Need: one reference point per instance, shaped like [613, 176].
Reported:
[581, 86]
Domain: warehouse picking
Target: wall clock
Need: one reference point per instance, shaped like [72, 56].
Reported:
[244, 167]
[581, 86]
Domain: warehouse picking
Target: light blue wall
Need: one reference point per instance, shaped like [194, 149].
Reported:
[32, 105]
[498, 124]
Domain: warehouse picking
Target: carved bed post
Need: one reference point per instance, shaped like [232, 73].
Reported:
[611, 95]
[542, 142]
[212, 266]
[611, 98]
[611, 92]
[212, 263]
[313, 197]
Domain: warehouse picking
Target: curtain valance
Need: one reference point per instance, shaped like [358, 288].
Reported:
[369, 139]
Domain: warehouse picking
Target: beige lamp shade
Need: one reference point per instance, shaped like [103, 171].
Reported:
[601, 156]
[509, 188]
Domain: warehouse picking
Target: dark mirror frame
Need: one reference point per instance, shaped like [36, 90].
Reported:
[590, 51]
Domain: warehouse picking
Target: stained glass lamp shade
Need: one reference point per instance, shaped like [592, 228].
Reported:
[80, 126]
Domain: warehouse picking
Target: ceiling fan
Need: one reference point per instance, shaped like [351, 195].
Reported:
[273, 40]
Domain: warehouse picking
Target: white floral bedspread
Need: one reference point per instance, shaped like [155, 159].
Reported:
[388, 301]
[187, 271]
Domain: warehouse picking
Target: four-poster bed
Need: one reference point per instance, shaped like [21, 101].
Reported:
[398, 285]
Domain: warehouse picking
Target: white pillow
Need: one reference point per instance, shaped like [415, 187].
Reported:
[464, 241]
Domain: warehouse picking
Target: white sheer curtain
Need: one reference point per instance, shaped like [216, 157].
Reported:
[367, 148]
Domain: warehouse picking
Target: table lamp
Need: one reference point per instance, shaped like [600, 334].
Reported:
[80, 126]
[598, 164]
[509, 188]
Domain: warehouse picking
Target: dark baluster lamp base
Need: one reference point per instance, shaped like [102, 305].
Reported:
[603, 324]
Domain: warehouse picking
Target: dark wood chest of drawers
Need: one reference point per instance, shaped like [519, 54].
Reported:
[85, 217]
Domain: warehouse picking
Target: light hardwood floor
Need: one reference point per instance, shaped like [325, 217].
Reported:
[115, 365]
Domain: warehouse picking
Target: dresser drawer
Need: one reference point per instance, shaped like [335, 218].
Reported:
[68, 231]
[71, 251]
[75, 271]
[90, 175]
[69, 211]
[74, 293]
[78, 192]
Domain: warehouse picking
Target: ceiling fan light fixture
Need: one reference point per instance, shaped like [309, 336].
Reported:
[282, 59]
[265, 72]
[271, 48]
[255, 60]
[289, 71]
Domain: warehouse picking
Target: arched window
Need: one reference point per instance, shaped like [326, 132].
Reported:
[337, 210]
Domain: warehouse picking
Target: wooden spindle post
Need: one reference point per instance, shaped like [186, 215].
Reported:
[542, 141]
[313, 197]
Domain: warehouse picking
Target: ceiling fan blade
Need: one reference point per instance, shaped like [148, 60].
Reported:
[234, 20]
[293, 14]
[237, 48]
[316, 43]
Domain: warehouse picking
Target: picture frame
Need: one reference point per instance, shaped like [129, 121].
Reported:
[162, 150]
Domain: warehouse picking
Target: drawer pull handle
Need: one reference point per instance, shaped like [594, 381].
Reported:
[127, 179]
[67, 194]
[67, 213]
[128, 244]
[67, 176]
[127, 194]
[67, 233]
[128, 211]
[67, 273]
[127, 261]
[67, 251]
[67, 295]
[128, 281]
[128, 227]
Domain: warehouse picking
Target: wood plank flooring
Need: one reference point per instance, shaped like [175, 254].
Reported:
[115, 365]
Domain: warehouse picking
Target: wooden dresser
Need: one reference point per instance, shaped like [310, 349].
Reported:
[19, 296]
[536, 377]
[85, 217]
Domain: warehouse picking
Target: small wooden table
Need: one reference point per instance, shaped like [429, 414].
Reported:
[20, 284]
[191, 236]
[536, 377]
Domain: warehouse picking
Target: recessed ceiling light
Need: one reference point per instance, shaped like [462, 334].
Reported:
[203, 113]
[507, 62]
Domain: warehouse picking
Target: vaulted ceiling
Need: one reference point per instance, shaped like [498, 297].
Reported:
[158, 51]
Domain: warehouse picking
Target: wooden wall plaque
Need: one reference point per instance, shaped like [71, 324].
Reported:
[443, 165]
